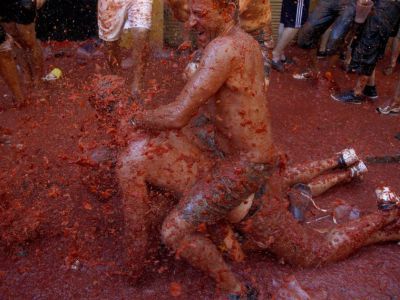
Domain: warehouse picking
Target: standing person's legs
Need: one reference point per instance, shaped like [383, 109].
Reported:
[111, 16]
[140, 54]
[370, 47]
[33, 50]
[394, 55]
[341, 25]
[317, 23]
[341, 28]
[8, 68]
[324, 41]
[23, 21]
[366, 86]
[139, 24]
[293, 16]
[394, 106]
[169, 161]
[113, 56]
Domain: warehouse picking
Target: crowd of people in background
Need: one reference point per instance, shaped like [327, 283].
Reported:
[332, 29]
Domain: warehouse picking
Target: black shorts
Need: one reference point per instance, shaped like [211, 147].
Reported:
[2, 35]
[18, 11]
[370, 46]
[338, 13]
[396, 32]
[294, 13]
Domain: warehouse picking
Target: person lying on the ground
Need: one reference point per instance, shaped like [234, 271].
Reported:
[369, 47]
[229, 86]
[18, 19]
[135, 17]
[394, 106]
[273, 221]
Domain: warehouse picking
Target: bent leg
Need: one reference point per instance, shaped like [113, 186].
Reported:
[323, 183]
[168, 161]
[317, 23]
[183, 237]
[340, 28]
[209, 201]
[8, 70]
[285, 38]
[324, 39]
[33, 49]
[303, 173]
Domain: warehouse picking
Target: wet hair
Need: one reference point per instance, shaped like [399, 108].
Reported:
[225, 3]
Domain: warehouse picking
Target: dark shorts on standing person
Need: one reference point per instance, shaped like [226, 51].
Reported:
[294, 13]
[2, 35]
[338, 13]
[18, 11]
[370, 45]
[396, 31]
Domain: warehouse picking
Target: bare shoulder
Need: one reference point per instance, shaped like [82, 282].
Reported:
[220, 45]
[230, 45]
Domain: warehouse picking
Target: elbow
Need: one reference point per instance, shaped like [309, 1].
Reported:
[180, 118]
[179, 122]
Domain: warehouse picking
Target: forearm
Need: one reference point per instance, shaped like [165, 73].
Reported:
[163, 118]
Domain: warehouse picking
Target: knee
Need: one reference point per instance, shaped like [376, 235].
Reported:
[334, 41]
[305, 38]
[27, 40]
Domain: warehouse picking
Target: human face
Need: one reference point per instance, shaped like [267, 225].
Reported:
[206, 19]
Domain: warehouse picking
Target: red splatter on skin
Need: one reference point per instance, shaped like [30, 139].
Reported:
[58, 231]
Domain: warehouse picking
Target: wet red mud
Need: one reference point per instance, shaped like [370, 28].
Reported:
[61, 230]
